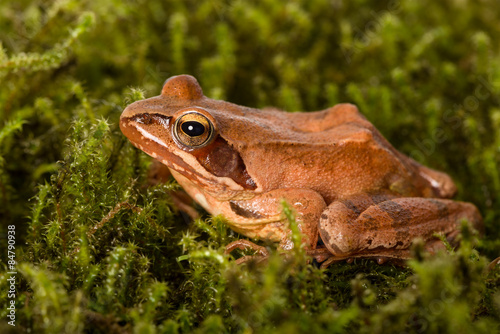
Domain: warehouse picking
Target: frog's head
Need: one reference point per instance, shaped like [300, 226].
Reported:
[179, 129]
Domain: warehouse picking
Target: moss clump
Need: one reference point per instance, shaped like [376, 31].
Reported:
[98, 251]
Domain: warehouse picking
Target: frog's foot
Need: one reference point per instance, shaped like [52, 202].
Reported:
[261, 253]
[320, 254]
[323, 256]
[396, 257]
[384, 229]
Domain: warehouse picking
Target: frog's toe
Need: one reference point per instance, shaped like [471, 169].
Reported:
[243, 244]
[325, 264]
[248, 258]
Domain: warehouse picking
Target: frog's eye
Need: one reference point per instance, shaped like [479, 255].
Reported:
[193, 130]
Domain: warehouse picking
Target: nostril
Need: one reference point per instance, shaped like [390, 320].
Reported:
[144, 119]
[147, 119]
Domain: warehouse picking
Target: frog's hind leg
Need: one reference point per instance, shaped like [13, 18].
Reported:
[377, 227]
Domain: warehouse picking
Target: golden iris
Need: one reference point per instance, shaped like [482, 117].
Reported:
[193, 130]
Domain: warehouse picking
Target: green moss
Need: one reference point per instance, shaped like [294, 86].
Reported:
[98, 251]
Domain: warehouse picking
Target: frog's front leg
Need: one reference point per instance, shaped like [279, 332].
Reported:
[261, 217]
[382, 227]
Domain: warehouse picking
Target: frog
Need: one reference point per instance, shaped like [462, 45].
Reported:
[353, 194]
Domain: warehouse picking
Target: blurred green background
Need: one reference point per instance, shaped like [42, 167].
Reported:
[98, 251]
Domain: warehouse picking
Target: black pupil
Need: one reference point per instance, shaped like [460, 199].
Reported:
[193, 128]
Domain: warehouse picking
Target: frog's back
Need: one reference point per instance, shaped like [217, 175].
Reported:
[338, 152]
[329, 119]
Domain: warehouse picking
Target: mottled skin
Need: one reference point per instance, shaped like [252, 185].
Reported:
[347, 184]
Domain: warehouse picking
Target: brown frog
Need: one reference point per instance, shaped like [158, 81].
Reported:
[345, 181]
